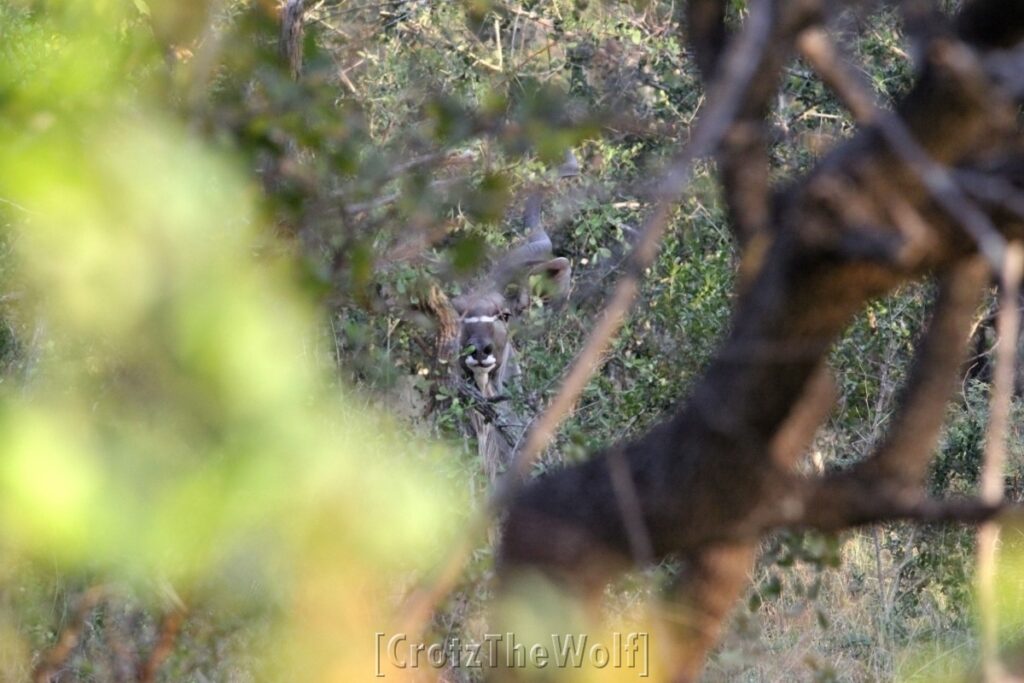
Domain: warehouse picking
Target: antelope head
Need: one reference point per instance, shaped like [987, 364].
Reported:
[488, 355]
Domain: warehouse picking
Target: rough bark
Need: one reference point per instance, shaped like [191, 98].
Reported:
[713, 478]
[292, 32]
[743, 155]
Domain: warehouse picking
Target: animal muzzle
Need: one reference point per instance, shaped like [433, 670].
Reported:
[481, 363]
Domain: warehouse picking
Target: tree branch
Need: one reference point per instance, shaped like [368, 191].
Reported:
[743, 155]
[875, 213]
[166, 637]
[54, 659]
[725, 99]
[821, 53]
[993, 477]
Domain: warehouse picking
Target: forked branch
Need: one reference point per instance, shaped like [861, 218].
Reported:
[881, 210]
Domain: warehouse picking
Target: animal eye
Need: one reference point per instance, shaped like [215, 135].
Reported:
[504, 315]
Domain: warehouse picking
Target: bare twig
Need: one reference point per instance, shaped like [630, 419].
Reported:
[742, 158]
[167, 636]
[209, 44]
[392, 197]
[441, 159]
[51, 663]
[19, 207]
[904, 454]
[725, 99]
[413, 247]
[994, 462]
[347, 9]
[629, 506]
[290, 41]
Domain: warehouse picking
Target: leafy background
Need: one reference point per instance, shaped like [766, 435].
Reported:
[215, 357]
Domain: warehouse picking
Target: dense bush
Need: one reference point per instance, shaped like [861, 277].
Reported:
[213, 277]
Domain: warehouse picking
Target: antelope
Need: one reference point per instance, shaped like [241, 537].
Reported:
[488, 357]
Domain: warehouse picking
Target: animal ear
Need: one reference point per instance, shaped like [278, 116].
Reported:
[557, 275]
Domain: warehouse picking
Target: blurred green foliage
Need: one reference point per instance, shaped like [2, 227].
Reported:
[179, 424]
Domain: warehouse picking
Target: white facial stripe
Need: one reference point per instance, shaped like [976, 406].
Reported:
[480, 319]
[471, 361]
[489, 361]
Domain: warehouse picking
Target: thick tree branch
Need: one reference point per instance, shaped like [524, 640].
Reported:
[702, 598]
[821, 52]
[871, 216]
[743, 155]
[864, 505]
[903, 457]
